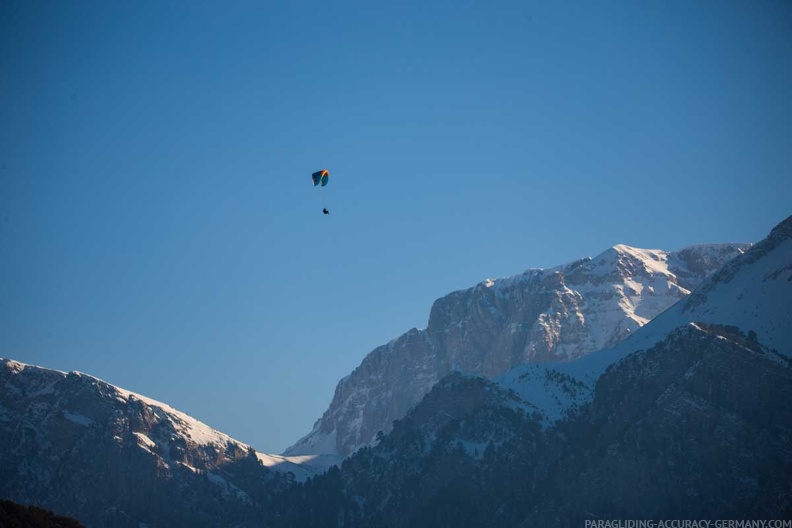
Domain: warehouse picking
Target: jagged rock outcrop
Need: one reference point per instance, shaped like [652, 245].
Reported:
[556, 314]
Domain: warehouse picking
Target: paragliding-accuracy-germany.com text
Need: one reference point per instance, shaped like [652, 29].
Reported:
[679, 523]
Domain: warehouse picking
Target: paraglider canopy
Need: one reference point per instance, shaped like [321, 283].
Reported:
[321, 176]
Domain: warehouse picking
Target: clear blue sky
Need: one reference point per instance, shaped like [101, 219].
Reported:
[158, 227]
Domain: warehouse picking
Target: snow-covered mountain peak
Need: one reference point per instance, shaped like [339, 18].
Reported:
[541, 315]
[751, 293]
[156, 427]
[656, 255]
[183, 424]
[685, 268]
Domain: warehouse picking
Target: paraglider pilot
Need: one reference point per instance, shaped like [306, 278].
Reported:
[321, 178]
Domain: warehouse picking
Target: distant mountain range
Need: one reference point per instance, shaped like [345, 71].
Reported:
[688, 418]
[602, 389]
[541, 315]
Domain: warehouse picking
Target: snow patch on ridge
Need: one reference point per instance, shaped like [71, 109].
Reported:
[302, 467]
[77, 418]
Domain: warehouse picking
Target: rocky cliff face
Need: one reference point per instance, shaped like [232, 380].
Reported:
[556, 314]
[695, 424]
[109, 457]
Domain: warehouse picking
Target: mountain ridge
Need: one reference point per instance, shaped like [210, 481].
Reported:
[539, 315]
[684, 419]
[750, 292]
[540, 442]
[76, 444]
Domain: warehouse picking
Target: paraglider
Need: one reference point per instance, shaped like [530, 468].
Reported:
[321, 178]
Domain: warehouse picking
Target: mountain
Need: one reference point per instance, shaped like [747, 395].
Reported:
[683, 420]
[697, 426]
[685, 414]
[109, 457]
[751, 292]
[541, 315]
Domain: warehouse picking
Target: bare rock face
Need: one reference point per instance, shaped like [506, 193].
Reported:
[541, 315]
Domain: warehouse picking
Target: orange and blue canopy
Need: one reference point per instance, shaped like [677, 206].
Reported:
[320, 177]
